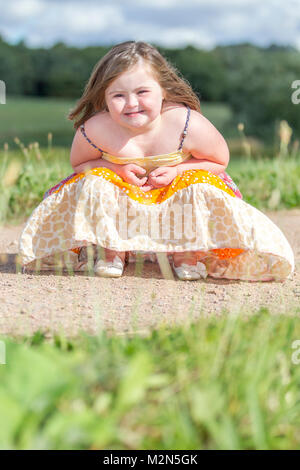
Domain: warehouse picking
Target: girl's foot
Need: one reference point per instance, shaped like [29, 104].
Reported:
[187, 268]
[111, 254]
[112, 266]
[186, 257]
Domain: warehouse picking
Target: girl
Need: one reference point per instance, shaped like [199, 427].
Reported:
[133, 115]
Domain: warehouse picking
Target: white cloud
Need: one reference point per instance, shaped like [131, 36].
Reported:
[171, 23]
[75, 21]
[23, 11]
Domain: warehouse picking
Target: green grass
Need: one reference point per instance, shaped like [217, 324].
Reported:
[31, 119]
[268, 183]
[221, 383]
[31, 177]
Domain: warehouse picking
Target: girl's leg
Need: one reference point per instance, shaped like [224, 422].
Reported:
[188, 266]
[108, 264]
[111, 254]
[187, 257]
[100, 253]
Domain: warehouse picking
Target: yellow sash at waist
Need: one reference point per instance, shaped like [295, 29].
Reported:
[149, 163]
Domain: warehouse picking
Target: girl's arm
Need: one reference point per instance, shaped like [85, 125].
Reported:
[196, 164]
[94, 164]
[84, 156]
[207, 146]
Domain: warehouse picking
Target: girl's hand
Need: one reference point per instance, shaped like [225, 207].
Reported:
[130, 172]
[147, 187]
[162, 176]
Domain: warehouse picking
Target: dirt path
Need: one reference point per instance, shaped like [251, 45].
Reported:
[63, 303]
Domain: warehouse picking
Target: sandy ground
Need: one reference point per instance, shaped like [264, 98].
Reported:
[135, 302]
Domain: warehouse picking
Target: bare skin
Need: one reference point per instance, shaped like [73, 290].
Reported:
[110, 255]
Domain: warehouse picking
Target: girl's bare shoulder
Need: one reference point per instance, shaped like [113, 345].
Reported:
[174, 116]
[98, 118]
[203, 139]
[199, 124]
[173, 110]
[81, 149]
[97, 127]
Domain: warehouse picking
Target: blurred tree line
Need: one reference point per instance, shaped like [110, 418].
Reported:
[255, 82]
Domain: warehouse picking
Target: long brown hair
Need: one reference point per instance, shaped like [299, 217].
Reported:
[119, 59]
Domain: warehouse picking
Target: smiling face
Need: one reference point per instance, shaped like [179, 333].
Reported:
[134, 98]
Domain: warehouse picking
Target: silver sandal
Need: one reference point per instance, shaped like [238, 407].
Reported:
[186, 272]
[113, 268]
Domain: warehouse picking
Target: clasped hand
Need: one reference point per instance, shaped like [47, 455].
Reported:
[158, 178]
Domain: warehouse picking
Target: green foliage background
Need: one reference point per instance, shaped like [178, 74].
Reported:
[254, 82]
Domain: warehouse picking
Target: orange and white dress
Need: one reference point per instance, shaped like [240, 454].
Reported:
[197, 211]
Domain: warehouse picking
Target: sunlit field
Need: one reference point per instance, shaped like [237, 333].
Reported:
[31, 119]
[222, 382]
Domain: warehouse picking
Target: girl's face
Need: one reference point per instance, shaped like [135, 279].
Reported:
[134, 98]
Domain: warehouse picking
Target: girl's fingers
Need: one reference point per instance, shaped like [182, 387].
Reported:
[158, 173]
[139, 170]
[140, 181]
[146, 188]
[160, 181]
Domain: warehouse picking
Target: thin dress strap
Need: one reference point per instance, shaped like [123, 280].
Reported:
[83, 132]
[185, 127]
[180, 146]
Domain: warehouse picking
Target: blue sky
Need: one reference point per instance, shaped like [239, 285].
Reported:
[169, 23]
